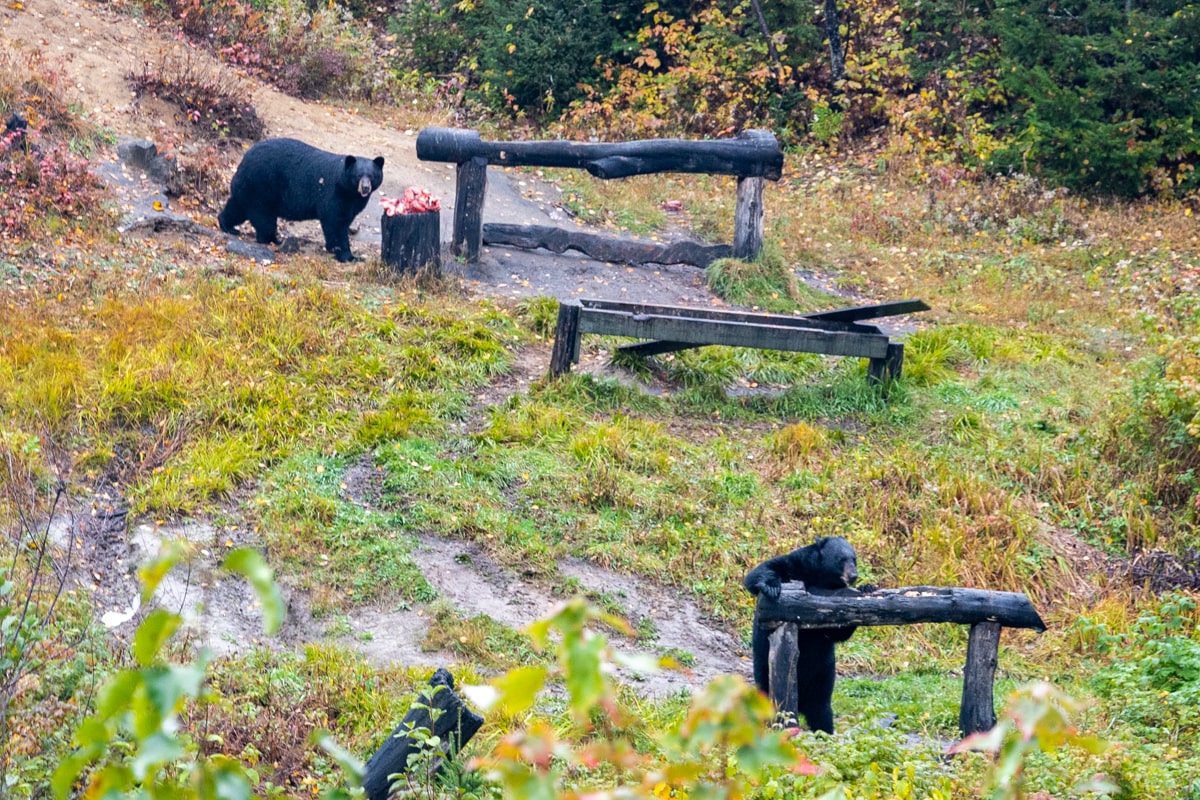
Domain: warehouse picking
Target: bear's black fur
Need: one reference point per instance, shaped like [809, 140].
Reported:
[828, 563]
[290, 179]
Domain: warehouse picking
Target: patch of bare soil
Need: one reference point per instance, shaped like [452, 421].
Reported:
[474, 583]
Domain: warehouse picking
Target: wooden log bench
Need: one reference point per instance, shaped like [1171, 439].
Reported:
[669, 328]
[754, 156]
[985, 611]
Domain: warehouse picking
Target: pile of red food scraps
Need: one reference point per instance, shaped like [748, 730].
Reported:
[415, 201]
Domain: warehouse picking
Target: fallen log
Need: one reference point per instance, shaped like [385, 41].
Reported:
[603, 248]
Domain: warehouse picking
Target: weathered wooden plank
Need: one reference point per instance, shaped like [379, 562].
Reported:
[855, 313]
[733, 334]
[753, 153]
[914, 604]
[978, 710]
[728, 315]
[748, 219]
[471, 186]
[602, 247]
[781, 677]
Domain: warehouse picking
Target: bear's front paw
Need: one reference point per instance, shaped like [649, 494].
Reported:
[771, 590]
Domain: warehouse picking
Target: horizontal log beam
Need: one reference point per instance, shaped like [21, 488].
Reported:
[905, 606]
[732, 334]
[601, 247]
[753, 153]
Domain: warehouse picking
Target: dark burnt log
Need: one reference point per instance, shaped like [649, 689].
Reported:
[441, 713]
[904, 606]
[603, 248]
[978, 711]
[753, 153]
[412, 242]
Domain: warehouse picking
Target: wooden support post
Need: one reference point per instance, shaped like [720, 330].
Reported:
[468, 209]
[566, 339]
[978, 712]
[784, 656]
[748, 219]
[882, 371]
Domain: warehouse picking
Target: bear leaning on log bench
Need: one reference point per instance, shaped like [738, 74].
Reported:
[828, 563]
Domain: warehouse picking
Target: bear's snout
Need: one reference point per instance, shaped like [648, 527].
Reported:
[850, 575]
[364, 186]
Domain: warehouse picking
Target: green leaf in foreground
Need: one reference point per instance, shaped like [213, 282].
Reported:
[250, 564]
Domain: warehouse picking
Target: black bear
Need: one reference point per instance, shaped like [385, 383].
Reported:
[290, 179]
[827, 563]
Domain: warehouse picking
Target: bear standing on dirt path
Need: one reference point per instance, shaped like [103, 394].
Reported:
[290, 179]
[828, 563]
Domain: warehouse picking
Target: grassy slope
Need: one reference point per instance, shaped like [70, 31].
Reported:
[242, 395]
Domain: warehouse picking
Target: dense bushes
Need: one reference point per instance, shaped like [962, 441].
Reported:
[1089, 95]
[518, 57]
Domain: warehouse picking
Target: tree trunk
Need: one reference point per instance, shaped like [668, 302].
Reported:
[837, 57]
[772, 51]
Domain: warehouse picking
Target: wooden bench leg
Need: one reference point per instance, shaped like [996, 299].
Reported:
[883, 371]
[468, 209]
[785, 655]
[978, 712]
[566, 339]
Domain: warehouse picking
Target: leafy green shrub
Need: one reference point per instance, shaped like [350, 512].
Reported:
[1156, 674]
[524, 58]
[1099, 97]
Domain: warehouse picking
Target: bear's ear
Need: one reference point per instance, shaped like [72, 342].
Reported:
[379, 161]
[350, 162]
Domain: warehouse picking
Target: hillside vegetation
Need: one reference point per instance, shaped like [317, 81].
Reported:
[1026, 169]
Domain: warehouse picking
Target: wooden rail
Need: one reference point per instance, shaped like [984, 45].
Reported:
[670, 328]
[985, 611]
[753, 156]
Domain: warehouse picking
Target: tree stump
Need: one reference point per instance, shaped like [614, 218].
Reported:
[412, 242]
